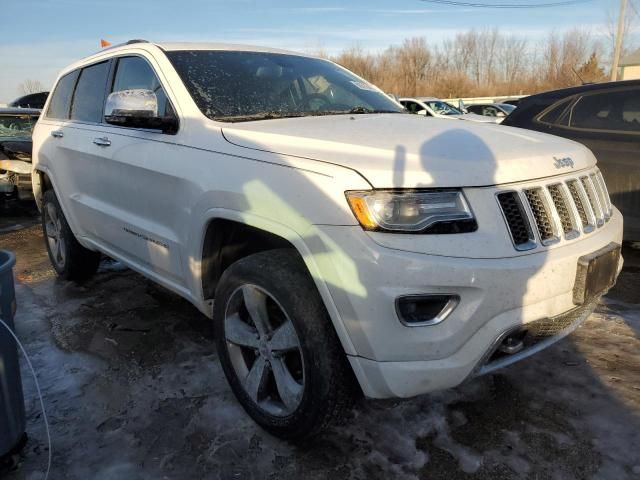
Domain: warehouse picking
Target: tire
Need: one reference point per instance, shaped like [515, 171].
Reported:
[276, 284]
[70, 260]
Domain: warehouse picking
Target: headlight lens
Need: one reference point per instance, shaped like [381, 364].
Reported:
[441, 211]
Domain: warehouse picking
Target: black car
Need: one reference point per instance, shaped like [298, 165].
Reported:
[606, 118]
[32, 100]
[16, 125]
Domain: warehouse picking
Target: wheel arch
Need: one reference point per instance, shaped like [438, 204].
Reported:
[268, 235]
[40, 182]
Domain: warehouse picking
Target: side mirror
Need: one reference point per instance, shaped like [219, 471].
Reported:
[422, 112]
[137, 108]
[501, 114]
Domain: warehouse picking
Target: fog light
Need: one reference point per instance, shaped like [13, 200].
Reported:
[422, 310]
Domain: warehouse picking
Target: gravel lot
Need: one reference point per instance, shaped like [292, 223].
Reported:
[134, 390]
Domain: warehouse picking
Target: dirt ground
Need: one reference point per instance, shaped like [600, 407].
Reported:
[134, 390]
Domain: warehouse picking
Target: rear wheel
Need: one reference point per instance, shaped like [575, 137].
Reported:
[70, 260]
[277, 345]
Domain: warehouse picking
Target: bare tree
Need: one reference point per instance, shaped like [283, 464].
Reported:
[31, 86]
[480, 63]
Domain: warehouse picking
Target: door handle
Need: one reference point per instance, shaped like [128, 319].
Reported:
[57, 134]
[102, 141]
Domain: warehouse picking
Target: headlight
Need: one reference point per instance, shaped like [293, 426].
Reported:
[412, 211]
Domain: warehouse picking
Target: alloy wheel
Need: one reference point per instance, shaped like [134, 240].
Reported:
[264, 350]
[55, 238]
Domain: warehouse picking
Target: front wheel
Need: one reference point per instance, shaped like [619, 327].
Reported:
[70, 260]
[277, 345]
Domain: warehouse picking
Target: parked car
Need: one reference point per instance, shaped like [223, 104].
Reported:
[513, 101]
[606, 118]
[32, 100]
[434, 107]
[16, 125]
[328, 234]
[495, 110]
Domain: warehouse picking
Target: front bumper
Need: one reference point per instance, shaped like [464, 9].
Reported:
[496, 296]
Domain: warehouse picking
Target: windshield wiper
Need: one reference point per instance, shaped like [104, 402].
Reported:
[258, 116]
[359, 110]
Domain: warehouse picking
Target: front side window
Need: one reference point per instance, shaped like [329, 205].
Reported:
[242, 86]
[12, 126]
[134, 73]
[612, 111]
[88, 98]
[61, 98]
[413, 107]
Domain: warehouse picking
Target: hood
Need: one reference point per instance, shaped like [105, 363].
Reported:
[395, 150]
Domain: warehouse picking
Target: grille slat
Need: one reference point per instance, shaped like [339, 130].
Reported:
[603, 194]
[541, 214]
[593, 200]
[577, 200]
[563, 209]
[571, 207]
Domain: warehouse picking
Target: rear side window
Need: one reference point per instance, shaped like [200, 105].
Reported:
[612, 111]
[134, 73]
[88, 98]
[61, 97]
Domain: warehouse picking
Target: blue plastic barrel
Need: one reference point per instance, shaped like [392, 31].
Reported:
[12, 418]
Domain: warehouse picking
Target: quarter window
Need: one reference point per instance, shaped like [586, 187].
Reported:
[554, 115]
[61, 97]
[88, 98]
[134, 73]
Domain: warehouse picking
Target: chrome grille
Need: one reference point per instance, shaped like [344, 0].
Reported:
[558, 210]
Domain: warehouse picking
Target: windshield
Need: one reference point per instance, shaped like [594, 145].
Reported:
[242, 86]
[16, 125]
[442, 108]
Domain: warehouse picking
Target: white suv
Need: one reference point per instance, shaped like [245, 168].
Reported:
[334, 240]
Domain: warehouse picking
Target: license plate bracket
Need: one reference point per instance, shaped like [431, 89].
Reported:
[596, 273]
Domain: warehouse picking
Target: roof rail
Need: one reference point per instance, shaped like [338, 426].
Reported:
[130, 42]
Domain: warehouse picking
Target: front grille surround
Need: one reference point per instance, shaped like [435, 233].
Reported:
[560, 210]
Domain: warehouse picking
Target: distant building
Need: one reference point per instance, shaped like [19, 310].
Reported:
[630, 66]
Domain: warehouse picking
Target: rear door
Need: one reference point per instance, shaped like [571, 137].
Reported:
[51, 143]
[80, 161]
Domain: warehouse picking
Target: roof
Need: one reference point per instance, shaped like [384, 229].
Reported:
[632, 59]
[19, 111]
[567, 92]
[105, 53]
[173, 46]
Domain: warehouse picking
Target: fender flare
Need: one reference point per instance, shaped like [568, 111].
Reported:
[196, 245]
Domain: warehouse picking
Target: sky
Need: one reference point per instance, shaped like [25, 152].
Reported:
[43, 36]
